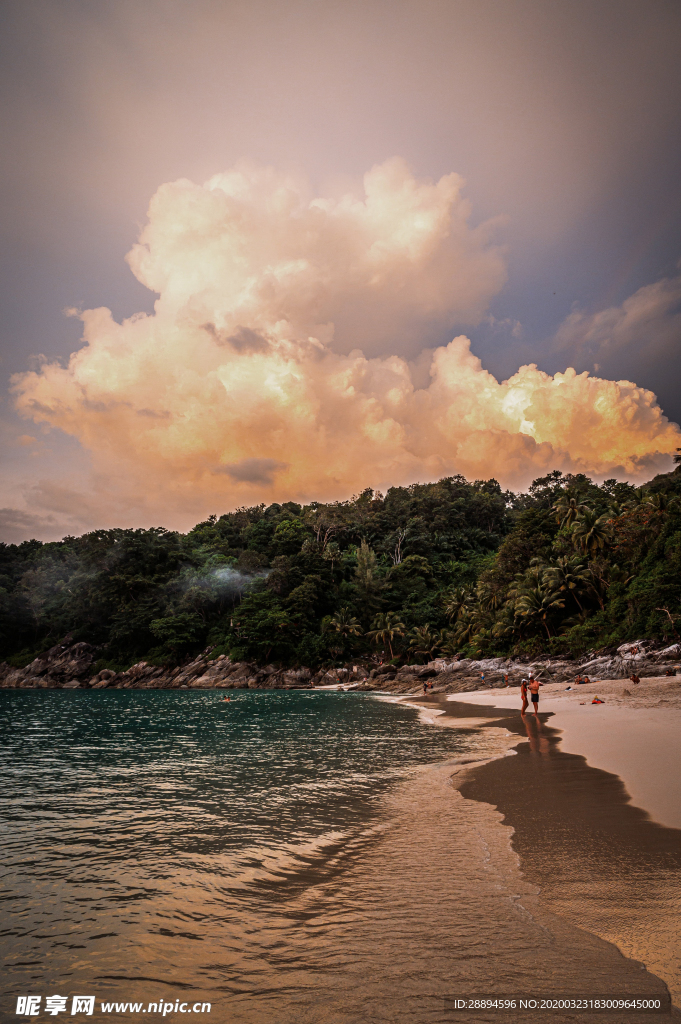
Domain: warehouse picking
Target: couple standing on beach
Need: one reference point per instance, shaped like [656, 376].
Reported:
[532, 685]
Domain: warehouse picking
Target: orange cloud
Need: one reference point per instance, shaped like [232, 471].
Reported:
[252, 381]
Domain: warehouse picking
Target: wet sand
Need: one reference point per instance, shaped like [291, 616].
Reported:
[634, 735]
[600, 861]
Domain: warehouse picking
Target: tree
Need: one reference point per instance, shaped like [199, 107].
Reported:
[456, 603]
[591, 532]
[568, 576]
[568, 509]
[345, 623]
[178, 632]
[662, 502]
[386, 626]
[449, 643]
[538, 604]
[367, 579]
[422, 641]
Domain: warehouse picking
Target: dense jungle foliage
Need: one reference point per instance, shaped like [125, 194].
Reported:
[427, 570]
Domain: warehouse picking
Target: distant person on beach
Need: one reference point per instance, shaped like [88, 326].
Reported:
[506, 678]
[635, 679]
[523, 694]
[533, 686]
[425, 687]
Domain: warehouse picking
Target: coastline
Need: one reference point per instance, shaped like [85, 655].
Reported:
[600, 859]
[633, 735]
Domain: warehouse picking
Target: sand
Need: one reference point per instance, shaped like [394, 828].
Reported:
[592, 794]
[636, 736]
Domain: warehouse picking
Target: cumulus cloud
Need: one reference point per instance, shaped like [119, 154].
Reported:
[261, 374]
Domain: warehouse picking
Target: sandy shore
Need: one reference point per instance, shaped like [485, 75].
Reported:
[635, 735]
[592, 794]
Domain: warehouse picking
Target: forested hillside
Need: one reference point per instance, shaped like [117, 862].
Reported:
[427, 570]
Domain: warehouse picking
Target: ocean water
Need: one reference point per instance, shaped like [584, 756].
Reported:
[284, 857]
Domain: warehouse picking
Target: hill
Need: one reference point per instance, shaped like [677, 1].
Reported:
[443, 569]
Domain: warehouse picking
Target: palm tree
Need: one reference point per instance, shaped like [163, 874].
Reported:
[386, 626]
[449, 643]
[490, 598]
[423, 641]
[591, 532]
[617, 509]
[538, 603]
[345, 623]
[662, 502]
[456, 603]
[504, 625]
[464, 627]
[568, 576]
[568, 509]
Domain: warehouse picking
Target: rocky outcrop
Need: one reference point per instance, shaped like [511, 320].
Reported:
[64, 666]
[69, 665]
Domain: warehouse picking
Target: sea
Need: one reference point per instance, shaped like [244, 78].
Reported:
[281, 856]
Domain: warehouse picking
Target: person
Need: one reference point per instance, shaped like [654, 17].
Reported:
[523, 694]
[425, 687]
[226, 698]
[533, 686]
[506, 678]
[634, 678]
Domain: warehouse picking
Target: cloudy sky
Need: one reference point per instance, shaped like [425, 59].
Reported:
[286, 250]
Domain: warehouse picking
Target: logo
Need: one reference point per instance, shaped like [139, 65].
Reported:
[29, 1006]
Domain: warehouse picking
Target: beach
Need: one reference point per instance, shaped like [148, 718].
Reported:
[592, 794]
[321, 856]
[633, 734]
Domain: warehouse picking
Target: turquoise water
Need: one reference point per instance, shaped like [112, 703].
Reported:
[140, 826]
[158, 774]
[286, 857]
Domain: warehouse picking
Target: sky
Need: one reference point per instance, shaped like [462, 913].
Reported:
[272, 251]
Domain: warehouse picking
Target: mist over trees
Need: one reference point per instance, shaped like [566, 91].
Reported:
[428, 570]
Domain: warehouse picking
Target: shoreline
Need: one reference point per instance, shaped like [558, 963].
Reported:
[634, 734]
[601, 861]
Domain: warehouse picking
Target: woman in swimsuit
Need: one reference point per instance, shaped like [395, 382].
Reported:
[523, 694]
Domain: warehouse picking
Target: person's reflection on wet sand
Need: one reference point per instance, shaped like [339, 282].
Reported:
[539, 743]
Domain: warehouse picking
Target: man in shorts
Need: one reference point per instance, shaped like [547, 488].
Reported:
[533, 686]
